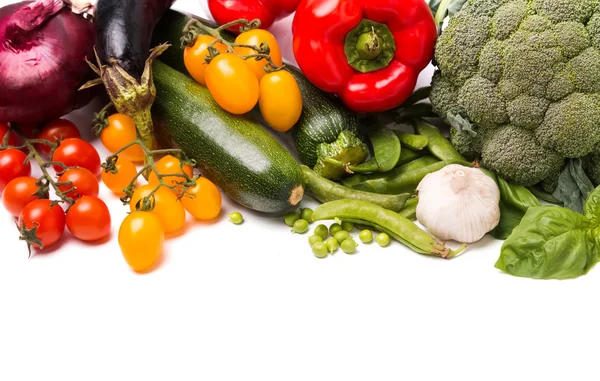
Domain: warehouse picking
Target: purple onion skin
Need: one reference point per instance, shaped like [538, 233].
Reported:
[40, 75]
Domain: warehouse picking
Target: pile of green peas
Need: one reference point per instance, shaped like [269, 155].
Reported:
[324, 240]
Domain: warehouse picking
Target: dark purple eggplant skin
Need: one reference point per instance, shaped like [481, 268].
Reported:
[124, 31]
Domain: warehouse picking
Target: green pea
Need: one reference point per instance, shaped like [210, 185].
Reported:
[341, 236]
[334, 228]
[291, 217]
[348, 246]
[236, 218]
[319, 249]
[366, 236]
[300, 226]
[382, 239]
[332, 245]
[314, 239]
[306, 214]
[322, 231]
[347, 226]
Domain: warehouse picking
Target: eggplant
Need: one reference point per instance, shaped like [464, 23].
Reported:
[124, 32]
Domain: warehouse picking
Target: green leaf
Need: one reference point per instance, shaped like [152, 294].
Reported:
[550, 243]
[573, 186]
[592, 207]
[515, 200]
[462, 125]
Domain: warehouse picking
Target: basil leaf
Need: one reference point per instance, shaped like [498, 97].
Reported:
[515, 200]
[592, 207]
[550, 243]
[573, 186]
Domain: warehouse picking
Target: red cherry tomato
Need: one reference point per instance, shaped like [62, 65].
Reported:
[77, 153]
[89, 219]
[48, 222]
[56, 131]
[13, 138]
[18, 193]
[12, 165]
[83, 183]
[30, 130]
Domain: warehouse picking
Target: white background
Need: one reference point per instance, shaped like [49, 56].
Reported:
[251, 302]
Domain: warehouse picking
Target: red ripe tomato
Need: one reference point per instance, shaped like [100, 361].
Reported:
[76, 152]
[30, 130]
[89, 219]
[13, 138]
[55, 132]
[12, 165]
[48, 222]
[83, 182]
[18, 193]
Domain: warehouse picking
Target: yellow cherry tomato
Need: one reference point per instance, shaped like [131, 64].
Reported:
[170, 165]
[256, 37]
[141, 238]
[117, 182]
[203, 201]
[194, 57]
[166, 206]
[120, 132]
[280, 100]
[232, 84]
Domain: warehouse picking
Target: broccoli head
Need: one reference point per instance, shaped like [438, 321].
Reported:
[526, 74]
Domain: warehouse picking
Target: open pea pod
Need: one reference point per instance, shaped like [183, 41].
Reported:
[387, 221]
[386, 152]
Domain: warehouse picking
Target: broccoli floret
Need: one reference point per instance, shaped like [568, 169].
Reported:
[591, 165]
[526, 73]
[550, 183]
[571, 126]
[464, 144]
[513, 152]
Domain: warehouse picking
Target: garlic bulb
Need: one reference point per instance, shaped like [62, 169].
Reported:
[458, 203]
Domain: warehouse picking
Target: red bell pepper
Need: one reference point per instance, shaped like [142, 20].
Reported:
[267, 11]
[368, 52]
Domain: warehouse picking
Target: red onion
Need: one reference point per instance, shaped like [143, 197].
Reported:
[43, 46]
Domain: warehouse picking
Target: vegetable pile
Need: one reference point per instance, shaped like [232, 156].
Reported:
[191, 105]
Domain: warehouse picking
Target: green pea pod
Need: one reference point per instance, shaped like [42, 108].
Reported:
[438, 145]
[404, 182]
[387, 221]
[415, 142]
[407, 155]
[421, 162]
[325, 190]
[386, 150]
[410, 209]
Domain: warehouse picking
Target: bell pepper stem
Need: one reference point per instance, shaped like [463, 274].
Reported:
[369, 45]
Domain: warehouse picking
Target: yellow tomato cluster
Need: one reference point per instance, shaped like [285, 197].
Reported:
[142, 233]
[238, 84]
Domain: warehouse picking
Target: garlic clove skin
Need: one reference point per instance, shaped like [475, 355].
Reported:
[458, 203]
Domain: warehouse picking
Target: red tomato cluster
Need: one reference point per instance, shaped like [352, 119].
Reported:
[77, 164]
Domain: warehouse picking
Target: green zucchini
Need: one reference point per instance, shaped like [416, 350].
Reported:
[322, 120]
[234, 152]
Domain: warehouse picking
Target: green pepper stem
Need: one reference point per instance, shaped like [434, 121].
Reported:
[369, 45]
